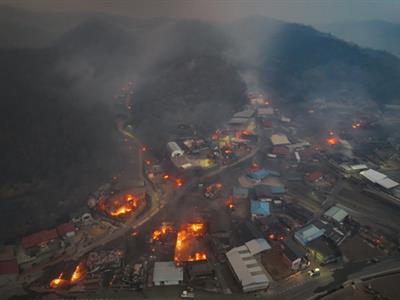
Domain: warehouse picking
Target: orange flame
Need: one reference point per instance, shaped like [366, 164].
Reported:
[77, 275]
[178, 182]
[58, 282]
[130, 204]
[185, 234]
[163, 230]
[331, 141]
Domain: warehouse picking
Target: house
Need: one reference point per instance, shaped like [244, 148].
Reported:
[277, 190]
[39, 239]
[262, 191]
[167, 273]
[258, 175]
[308, 234]
[323, 250]
[259, 209]
[314, 176]
[8, 272]
[248, 231]
[66, 230]
[265, 111]
[280, 151]
[293, 254]
[246, 114]
[279, 139]
[248, 271]
[336, 214]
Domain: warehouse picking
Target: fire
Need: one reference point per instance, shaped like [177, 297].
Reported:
[163, 230]
[331, 141]
[187, 235]
[58, 282]
[165, 177]
[198, 256]
[129, 203]
[178, 182]
[77, 275]
[356, 124]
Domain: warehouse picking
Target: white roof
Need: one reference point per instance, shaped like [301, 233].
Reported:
[257, 246]
[279, 139]
[248, 270]
[359, 167]
[265, 111]
[379, 178]
[248, 113]
[166, 271]
[336, 213]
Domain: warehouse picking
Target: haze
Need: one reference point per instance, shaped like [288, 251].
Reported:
[302, 11]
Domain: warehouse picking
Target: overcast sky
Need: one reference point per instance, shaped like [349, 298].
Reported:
[303, 11]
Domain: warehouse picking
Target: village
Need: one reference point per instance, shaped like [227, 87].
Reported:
[267, 204]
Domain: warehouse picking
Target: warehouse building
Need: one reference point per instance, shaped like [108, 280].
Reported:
[279, 140]
[248, 271]
[167, 273]
[379, 178]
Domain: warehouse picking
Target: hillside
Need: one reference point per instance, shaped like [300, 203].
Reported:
[374, 34]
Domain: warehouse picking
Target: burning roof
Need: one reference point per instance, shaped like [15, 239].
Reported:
[120, 205]
[188, 247]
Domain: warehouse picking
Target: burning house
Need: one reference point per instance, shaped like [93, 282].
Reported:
[189, 247]
[121, 205]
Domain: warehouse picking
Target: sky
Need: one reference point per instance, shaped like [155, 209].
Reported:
[302, 11]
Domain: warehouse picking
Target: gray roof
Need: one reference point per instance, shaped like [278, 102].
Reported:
[336, 213]
[248, 270]
[166, 271]
[257, 246]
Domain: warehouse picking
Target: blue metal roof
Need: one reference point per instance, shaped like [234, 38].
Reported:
[278, 189]
[308, 234]
[258, 175]
[260, 208]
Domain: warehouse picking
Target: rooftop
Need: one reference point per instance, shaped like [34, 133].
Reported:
[8, 267]
[65, 228]
[279, 139]
[379, 178]
[336, 213]
[257, 246]
[308, 234]
[260, 208]
[38, 238]
[167, 271]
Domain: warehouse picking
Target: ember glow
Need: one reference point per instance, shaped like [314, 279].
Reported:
[331, 140]
[165, 177]
[178, 182]
[77, 275]
[186, 240]
[127, 204]
[163, 230]
[58, 282]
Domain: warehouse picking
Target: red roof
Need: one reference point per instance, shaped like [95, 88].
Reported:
[308, 153]
[280, 151]
[63, 229]
[267, 123]
[8, 267]
[314, 176]
[38, 238]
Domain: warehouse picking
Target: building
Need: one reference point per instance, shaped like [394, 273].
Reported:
[8, 272]
[314, 176]
[66, 230]
[379, 178]
[308, 234]
[39, 239]
[259, 209]
[258, 175]
[256, 246]
[279, 139]
[174, 149]
[277, 190]
[294, 255]
[167, 273]
[280, 151]
[323, 250]
[239, 192]
[247, 270]
[246, 114]
[265, 111]
[336, 214]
